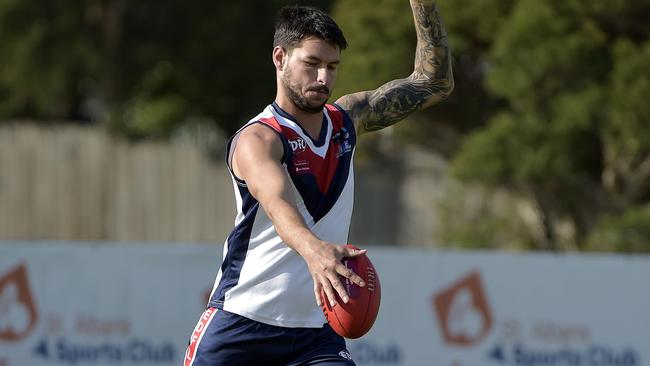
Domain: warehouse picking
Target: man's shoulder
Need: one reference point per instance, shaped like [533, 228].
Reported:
[260, 131]
[264, 118]
[259, 140]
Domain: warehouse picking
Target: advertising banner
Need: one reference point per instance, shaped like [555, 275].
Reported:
[137, 304]
[504, 309]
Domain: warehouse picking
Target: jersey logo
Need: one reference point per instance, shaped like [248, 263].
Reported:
[342, 139]
[302, 166]
[298, 145]
[345, 354]
[341, 135]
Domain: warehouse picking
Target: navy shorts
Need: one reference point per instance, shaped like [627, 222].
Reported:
[223, 338]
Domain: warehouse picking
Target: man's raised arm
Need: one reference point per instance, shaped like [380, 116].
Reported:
[431, 81]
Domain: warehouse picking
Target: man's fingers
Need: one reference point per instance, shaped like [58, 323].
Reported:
[317, 293]
[351, 253]
[338, 286]
[327, 283]
[329, 292]
[349, 274]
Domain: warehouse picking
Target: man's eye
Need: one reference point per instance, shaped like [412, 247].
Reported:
[311, 64]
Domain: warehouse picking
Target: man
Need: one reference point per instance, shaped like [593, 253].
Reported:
[293, 179]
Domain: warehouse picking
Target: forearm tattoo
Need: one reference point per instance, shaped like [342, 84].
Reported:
[430, 82]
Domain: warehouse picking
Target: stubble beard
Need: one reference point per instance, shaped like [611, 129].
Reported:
[294, 94]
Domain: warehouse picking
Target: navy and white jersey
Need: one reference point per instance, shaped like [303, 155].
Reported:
[261, 278]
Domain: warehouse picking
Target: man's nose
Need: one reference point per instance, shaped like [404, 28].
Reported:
[323, 75]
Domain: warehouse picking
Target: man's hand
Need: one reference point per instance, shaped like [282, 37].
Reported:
[324, 263]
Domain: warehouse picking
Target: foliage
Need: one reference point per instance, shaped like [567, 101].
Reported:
[145, 67]
[45, 57]
[626, 233]
[570, 135]
[474, 217]
[550, 103]
[381, 41]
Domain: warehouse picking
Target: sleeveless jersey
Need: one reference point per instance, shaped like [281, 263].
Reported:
[261, 278]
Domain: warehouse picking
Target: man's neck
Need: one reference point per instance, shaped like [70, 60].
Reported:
[311, 122]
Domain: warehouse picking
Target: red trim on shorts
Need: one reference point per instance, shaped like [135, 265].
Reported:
[197, 335]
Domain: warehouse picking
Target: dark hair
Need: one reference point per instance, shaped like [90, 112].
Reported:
[298, 22]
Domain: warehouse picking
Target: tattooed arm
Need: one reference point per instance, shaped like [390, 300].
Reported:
[431, 81]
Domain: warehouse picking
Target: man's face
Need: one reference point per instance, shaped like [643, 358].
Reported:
[309, 73]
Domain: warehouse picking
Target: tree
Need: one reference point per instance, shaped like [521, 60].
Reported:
[46, 58]
[145, 68]
[574, 84]
[550, 102]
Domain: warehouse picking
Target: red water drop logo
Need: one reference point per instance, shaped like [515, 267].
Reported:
[17, 310]
[463, 311]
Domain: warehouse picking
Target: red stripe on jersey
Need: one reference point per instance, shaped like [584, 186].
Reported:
[327, 169]
[334, 113]
[197, 335]
[330, 163]
[271, 122]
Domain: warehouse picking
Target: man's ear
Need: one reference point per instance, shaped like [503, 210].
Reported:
[280, 56]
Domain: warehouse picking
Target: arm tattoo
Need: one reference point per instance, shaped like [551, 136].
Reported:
[393, 101]
[430, 82]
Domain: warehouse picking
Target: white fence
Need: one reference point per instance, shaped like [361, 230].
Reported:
[79, 183]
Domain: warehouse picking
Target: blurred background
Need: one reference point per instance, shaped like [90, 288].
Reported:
[115, 200]
[113, 117]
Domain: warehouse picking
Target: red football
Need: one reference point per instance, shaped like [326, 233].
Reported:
[354, 319]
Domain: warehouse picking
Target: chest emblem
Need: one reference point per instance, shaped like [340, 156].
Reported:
[341, 140]
[298, 145]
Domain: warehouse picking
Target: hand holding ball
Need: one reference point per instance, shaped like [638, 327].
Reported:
[355, 318]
